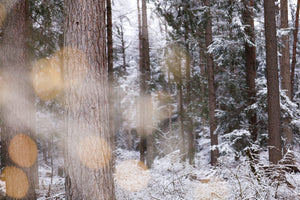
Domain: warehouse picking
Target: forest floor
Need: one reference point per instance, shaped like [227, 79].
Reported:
[170, 179]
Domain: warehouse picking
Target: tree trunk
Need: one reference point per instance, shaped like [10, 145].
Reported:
[272, 83]
[295, 48]
[88, 143]
[181, 113]
[285, 73]
[18, 146]
[110, 68]
[211, 89]
[190, 129]
[285, 50]
[250, 52]
[169, 84]
[123, 48]
[145, 93]
[142, 143]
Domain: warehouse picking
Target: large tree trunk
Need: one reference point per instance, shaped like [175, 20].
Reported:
[18, 146]
[285, 73]
[211, 89]
[88, 146]
[250, 52]
[295, 48]
[272, 83]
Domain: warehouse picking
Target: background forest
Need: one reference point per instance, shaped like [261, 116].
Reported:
[157, 99]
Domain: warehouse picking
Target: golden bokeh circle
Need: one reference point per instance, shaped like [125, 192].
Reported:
[2, 14]
[94, 152]
[75, 66]
[23, 150]
[16, 182]
[132, 175]
[47, 78]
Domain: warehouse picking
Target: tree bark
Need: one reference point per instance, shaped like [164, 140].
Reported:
[295, 48]
[211, 88]
[88, 142]
[250, 52]
[17, 99]
[272, 83]
[285, 50]
[285, 73]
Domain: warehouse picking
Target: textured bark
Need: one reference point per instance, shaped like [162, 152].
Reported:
[272, 83]
[295, 48]
[17, 109]
[250, 52]
[285, 73]
[87, 103]
[211, 88]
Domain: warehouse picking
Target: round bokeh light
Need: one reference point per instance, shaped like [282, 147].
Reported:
[23, 150]
[77, 66]
[47, 79]
[94, 152]
[16, 182]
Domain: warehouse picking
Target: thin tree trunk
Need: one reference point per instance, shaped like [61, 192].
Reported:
[211, 89]
[129, 138]
[169, 85]
[88, 143]
[123, 49]
[145, 93]
[181, 113]
[250, 52]
[285, 73]
[272, 83]
[17, 109]
[295, 48]
[142, 144]
[190, 129]
[285, 50]
[110, 66]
